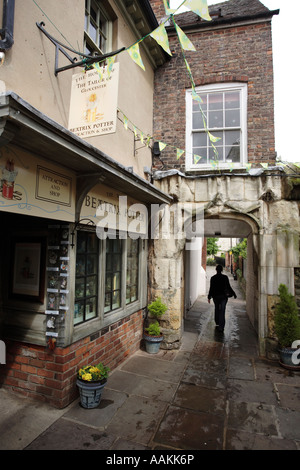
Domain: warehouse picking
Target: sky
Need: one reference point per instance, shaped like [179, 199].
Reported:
[286, 38]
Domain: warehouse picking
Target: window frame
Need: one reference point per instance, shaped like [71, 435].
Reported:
[104, 319]
[88, 40]
[213, 89]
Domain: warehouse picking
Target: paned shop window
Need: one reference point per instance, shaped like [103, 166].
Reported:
[225, 114]
[132, 275]
[86, 281]
[97, 29]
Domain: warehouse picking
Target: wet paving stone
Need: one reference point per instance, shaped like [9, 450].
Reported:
[200, 399]
[251, 391]
[252, 417]
[238, 440]
[187, 429]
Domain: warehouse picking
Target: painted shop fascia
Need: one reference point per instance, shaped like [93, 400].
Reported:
[54, 313]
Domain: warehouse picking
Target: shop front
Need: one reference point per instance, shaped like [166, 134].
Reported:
[73, 255]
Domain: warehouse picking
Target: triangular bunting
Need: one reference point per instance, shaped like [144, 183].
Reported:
[161, 145]
[134, 52]
[179, 153]
[264, 165]
[196, 97]
[161, 37]
[248, 166]
[110, 63]
[125, 122]
[134, 130]
[197, 158]
[199, 7]
[186, 44]
[212, 138]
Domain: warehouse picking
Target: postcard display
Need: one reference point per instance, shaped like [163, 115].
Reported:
[57, 282]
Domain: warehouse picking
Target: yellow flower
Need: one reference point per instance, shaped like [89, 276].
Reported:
[87, 377]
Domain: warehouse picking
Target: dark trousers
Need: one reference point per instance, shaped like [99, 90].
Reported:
[220, 307]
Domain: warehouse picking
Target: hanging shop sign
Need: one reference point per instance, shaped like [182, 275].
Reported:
[93, 106]
[31, 186]
[111, 210]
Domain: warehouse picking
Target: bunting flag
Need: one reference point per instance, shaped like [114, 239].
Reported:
[179, 153]
[100, 70]
[196, 97]
[213, 164]
[264, 165]
[231, 166]
[161, 146]
[186, 44]
[125, 121]
[197, 158]
[248, 166]
[134, 52]
[199, 7]
[135, 130]
[161, 37]
[110, 63]
[212, 138]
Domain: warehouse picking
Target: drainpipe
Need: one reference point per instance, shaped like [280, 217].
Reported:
[7, 31]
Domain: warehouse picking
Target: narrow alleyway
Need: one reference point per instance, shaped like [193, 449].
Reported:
[213, 393]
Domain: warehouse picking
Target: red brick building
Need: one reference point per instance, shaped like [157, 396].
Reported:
[233, 57]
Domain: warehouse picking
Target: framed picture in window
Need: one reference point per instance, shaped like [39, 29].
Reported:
[28, 276]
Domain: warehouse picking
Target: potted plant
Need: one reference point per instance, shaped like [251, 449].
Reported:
[152, 334]
[91, 381]
[287, 328]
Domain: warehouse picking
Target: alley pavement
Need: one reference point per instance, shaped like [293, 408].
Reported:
[214, 393]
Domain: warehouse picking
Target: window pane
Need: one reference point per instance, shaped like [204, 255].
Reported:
[215, 101]
[198, 121]
[86, 286]
[232, 100]
[232, 118]
[113, 274]
[200, 139]
[215, 119]
[213, 156]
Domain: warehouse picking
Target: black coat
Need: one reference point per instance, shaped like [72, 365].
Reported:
[220, 286]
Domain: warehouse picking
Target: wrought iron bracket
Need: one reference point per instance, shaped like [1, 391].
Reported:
[90, 222]
[86, 60]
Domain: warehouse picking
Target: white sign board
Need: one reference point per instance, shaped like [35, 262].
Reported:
[93, 106]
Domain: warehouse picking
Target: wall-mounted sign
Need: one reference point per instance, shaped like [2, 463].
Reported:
[53, 187]
[93, 106]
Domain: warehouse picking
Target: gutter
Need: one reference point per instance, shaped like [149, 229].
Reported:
[225, 21]
[7, 31]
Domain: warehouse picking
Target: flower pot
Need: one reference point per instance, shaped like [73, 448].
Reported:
[152, 343]
[287, 360]
[90, 392]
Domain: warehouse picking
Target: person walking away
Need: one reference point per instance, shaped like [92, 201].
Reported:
[220, 289]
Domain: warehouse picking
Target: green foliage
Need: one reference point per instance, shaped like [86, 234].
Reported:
[157, 308]
[153, 329]
[240, 250]
[212, 246]
[287, 322]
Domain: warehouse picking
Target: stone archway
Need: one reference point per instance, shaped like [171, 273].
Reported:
[239, 203]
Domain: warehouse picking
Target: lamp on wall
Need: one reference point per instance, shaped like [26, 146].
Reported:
[155, 150]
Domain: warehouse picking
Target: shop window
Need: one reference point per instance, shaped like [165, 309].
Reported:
[97, 29]
[86, 281]
[224, 115]
[132, 271]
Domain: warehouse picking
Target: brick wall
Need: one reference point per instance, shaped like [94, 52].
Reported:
[234, 54]
[50, 376]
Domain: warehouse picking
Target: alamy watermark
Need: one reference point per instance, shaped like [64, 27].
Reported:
[179, 221]
[296, 353]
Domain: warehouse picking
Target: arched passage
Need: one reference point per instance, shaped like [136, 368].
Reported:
[225, 225]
